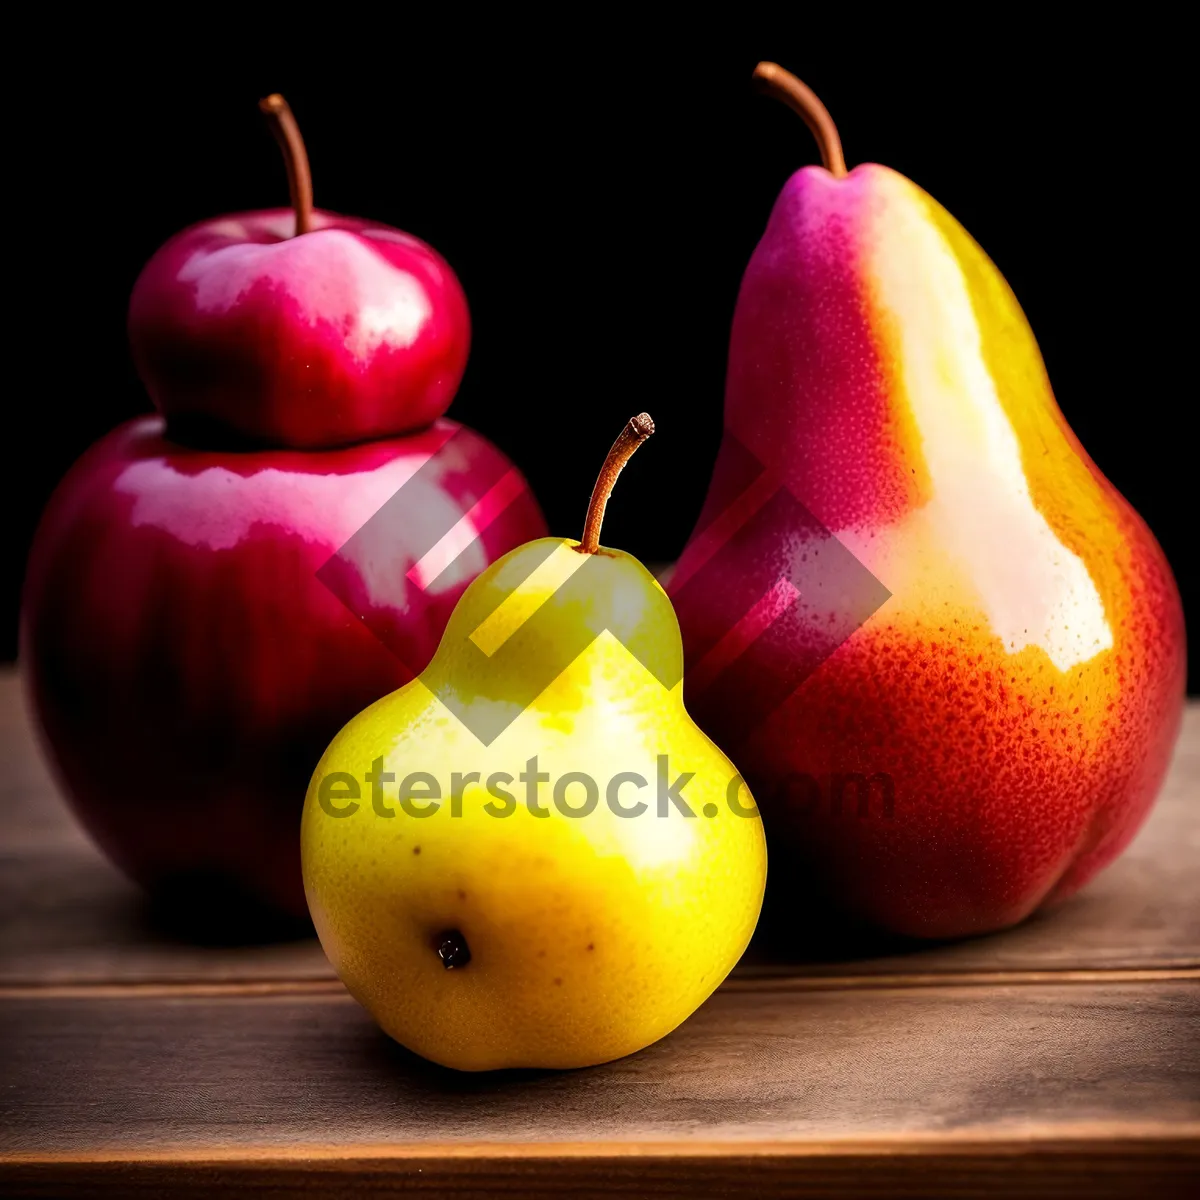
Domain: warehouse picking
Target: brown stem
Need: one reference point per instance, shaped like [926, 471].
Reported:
[783, 85]
[632, 436]
[295, 157]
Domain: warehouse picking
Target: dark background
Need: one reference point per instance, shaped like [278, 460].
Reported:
[599, 194]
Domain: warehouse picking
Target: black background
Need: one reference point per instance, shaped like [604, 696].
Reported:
[599, 193]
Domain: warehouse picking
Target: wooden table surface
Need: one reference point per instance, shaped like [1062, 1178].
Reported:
[1062, 1056]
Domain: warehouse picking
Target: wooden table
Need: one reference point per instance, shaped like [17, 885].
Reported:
[1063, 1055]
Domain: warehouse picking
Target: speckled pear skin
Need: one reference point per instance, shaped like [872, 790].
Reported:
[590, 936]
[1023, 686]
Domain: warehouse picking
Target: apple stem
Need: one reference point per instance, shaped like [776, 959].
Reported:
[783, 85]
[295, 158]
[632, 436]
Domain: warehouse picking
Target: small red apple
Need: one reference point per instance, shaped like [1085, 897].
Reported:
[298, 327]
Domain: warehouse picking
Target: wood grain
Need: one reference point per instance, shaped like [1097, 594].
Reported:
[934, 1088]
[1164, 1168]
[1059, 1058]
[188, 1074]
[66, 916]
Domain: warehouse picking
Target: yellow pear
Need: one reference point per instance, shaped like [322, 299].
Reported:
[530, 856]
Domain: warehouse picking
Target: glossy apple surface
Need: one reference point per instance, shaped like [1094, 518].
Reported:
[1022, 687]
[351, 331]
[186, 665]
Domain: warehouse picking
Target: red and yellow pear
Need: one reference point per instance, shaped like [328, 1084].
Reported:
[1014, 683]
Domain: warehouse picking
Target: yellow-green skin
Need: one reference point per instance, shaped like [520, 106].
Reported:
[590, 937]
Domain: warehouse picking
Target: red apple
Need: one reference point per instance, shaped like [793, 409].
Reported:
[186, 664]
[298, 327]
[199, 619]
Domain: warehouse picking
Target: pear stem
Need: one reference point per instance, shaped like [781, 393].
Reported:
[632, 436]
[295, 158]
[772, 79]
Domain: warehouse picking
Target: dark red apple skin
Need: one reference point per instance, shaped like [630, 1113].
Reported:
[352, 331]
[187, 667]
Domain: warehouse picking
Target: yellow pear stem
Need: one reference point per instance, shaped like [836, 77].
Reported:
[632, 436]
[295, 158]
[783, 85]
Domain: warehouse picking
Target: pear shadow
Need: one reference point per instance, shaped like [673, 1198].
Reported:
[801, 926]
[381, 1052]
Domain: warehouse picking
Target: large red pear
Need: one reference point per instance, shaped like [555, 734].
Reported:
[979, 721]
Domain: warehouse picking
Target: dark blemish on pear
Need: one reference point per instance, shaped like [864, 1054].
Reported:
[461, 894]
[416, 849]
[452, 949]
[558, 983]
